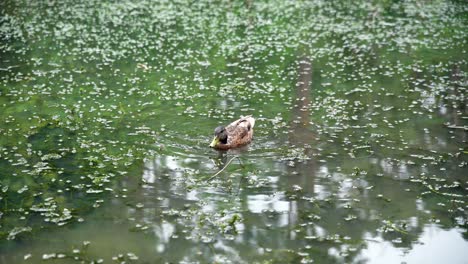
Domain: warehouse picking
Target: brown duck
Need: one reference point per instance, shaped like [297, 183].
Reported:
[236, 134]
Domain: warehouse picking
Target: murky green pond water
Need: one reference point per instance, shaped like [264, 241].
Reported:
[108, 107]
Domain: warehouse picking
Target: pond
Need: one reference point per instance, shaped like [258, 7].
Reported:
[359, 152]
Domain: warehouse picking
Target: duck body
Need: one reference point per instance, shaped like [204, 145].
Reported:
[236, 134]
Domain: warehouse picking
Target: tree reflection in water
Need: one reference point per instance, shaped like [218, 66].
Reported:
[266, 207]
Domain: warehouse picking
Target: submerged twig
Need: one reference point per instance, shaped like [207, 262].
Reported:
[453, 126]
[225, 166]
[240, 162]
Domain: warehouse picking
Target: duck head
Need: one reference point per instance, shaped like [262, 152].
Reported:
[220, 136]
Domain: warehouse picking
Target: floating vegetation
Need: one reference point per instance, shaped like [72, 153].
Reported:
[107, 108]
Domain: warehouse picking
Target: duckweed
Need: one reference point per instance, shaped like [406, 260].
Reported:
[107, 109]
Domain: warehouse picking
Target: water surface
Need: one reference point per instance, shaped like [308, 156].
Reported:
[107, 110]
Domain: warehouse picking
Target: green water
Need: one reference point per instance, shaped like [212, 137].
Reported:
[107, 109]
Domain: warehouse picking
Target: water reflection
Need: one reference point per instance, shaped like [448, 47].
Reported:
[262, 204]
[300, 133]
[294, 202]
[432, 239]
[362, 170]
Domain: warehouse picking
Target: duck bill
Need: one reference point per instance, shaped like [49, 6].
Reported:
[214, 142]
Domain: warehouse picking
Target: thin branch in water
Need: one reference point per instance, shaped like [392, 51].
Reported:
[227, 164]
[240, 162]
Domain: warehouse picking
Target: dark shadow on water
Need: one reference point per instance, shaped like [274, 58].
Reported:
[300, 134]
[455, 112]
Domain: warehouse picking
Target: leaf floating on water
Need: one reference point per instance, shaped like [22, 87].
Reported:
[17, 230]
[49, 256]
[94, 191]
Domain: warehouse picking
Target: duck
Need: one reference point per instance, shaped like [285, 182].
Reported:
[238, 133]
